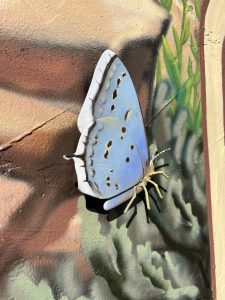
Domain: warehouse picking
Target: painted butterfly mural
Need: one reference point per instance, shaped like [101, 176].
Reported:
[112, 158]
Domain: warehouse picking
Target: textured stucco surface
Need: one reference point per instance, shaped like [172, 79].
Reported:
[48, 53]
[77, 22]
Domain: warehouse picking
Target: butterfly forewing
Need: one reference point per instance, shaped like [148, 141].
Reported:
[115, 97]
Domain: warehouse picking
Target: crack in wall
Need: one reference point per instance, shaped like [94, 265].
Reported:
[19, 138]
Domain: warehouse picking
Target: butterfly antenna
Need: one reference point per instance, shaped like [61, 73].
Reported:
[160, 153]
[155, 156]
[160, 110]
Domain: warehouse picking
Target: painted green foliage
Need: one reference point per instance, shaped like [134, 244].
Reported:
[22, 287]
[186, 83]
[166, 3]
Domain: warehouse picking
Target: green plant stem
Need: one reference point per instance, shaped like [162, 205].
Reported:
[187, 88]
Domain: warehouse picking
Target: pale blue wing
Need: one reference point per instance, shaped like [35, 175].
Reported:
[111, 160]
[112, 94]
[112, 152]
[119, 199]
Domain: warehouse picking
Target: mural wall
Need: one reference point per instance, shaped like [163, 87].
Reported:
[57, 242]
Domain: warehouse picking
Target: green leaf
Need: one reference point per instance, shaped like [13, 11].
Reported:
[198, 116]
[197, 78]
[169, 4]
[162, 2]
[190, 8]
[176, 40]
[185, 92]
[191, 119]
[185, 33]
[178, 47]
[195, 117]
[171, 65]
[194, 49]
[158, 70]
[198, 8]
[184, 2]
[190, 68]
[166, 4]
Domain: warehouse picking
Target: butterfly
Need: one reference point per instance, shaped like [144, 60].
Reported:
[112, 158]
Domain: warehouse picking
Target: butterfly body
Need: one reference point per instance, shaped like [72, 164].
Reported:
[112, 160]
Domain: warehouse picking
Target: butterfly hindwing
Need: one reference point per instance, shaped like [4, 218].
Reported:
[111, 159]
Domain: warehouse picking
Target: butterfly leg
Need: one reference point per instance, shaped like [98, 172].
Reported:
[131, 200]
[161, 172]
[146, 196]
[156, 187]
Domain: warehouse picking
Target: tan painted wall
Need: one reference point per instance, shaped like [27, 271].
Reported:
[213, 46]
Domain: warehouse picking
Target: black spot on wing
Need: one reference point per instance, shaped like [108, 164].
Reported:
[109, 144]
[115, 94]
[106, 154]
[127, 115]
